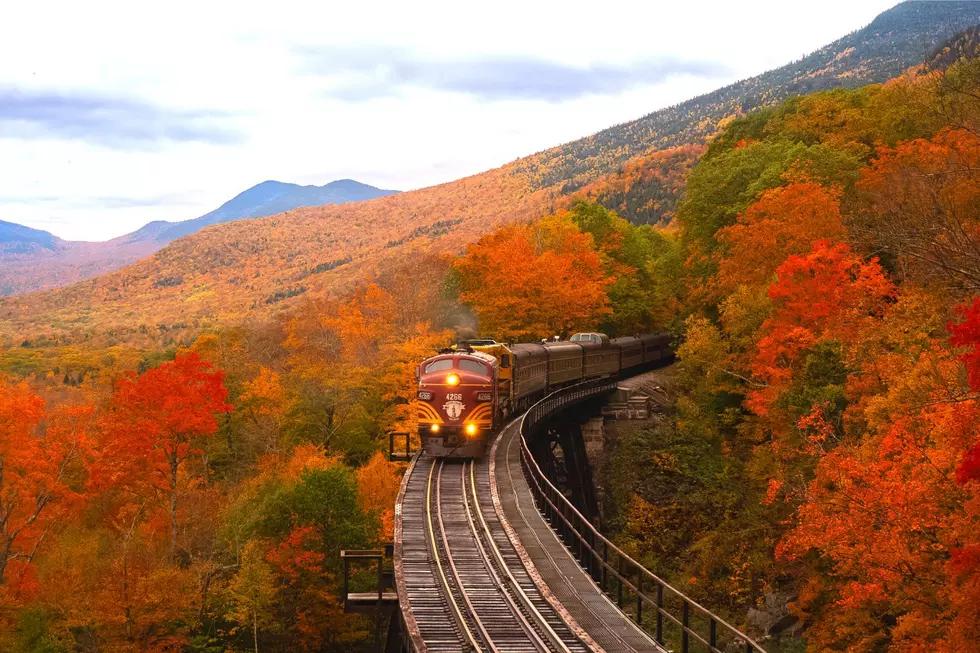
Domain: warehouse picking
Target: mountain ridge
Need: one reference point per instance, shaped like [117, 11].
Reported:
[18, 238]
[271, 197]
[32, 259]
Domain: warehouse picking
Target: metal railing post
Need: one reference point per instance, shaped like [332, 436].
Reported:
[685, 623]
[346, 582]
[605, 562]
[639, 596]
[660, 613]
[619, 577]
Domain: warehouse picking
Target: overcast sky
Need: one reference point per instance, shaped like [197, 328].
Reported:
[116, 114]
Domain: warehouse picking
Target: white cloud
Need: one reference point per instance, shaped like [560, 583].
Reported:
[169, 71]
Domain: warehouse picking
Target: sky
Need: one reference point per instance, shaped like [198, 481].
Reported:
[116, 114]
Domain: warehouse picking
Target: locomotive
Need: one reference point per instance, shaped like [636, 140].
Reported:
[466, 393]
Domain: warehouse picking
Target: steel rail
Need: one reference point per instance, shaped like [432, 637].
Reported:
[515, 586]
[464, 629]
[525, 624]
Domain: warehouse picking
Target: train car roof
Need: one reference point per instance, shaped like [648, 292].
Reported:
[563, 346]
[625, 340]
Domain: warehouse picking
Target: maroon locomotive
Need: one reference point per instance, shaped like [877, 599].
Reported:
[458, 402]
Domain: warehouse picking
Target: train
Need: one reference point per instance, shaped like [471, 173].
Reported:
[466, 393]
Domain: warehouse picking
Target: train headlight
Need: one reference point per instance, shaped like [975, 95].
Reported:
[452, 379]
[434, 428]
[471, 429]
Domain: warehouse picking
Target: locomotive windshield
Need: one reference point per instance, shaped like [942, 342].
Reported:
[467, 365]
[439, 365]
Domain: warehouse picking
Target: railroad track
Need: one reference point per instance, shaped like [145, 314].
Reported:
[468, 589]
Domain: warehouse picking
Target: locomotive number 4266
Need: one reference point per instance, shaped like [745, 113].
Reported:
[454, 397]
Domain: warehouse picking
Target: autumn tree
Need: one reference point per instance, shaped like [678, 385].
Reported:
[888, 531]
[784, 221]
[252, 592]
[921, 204]
[307, 508]
[351, 369]
[533, 281]
[41, 470]
[821, 297]
[378, 482]
[158, 423]
[629, 256]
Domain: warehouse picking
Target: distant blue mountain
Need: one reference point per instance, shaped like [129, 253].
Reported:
[267, 198]
[31, 259]
[17, 239]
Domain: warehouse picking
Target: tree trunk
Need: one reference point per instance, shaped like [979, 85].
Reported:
[4, 558]
[128, 610]
[173, 509]
[255, 629]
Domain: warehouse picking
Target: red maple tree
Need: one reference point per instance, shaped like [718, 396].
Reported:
[159, 421]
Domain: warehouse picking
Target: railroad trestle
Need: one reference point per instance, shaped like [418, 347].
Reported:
[463, 582]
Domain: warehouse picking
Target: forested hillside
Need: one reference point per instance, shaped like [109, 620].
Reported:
[646, 189]
[898, 39]
[257, 268]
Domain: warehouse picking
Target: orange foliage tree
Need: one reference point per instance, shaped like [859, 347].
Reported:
[532, 281]
[346, 352]
[378, 482]
[922, 203]
[784, 221]
[40, 471]
[894, 519]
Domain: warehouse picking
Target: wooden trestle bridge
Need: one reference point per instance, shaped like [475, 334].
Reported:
[490, 555]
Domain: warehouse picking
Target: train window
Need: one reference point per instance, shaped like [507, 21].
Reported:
[505, 361]
[467, 365]
[439, 365]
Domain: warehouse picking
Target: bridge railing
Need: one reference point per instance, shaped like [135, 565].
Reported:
[666, 613]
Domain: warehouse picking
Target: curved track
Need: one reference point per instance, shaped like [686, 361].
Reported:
[467, 587]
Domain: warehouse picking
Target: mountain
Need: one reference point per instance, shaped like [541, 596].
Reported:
[17, 239]
[36, 260]
[255, 268]
[271, 197]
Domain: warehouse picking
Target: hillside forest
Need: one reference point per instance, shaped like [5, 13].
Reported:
[820, 276]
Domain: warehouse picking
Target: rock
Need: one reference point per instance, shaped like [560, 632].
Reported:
[757, 620]
[775, 618]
